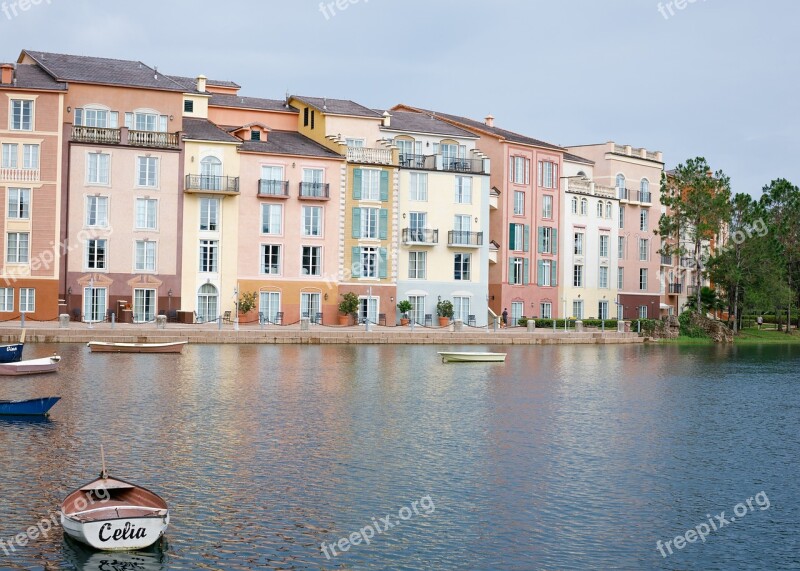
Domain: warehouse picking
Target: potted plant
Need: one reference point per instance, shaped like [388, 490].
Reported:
[348, 306]
[404, 307]
[247, 302]
[444, 309]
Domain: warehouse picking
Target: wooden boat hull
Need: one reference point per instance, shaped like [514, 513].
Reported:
[31, 366]
[107, 347]
[471, 357]
[121, 534]
[11, 352]
[33, 407]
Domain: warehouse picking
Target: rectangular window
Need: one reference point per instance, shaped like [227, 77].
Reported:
[643, 220]
[269, 305]
[97, 168]
[419, 186]
[21, 115]
[255, 135]
[312, 220]
[369, 262]
[95, 302]
[209, 214]
[144, 305]
[147, 122]
[548, 174]
[270, 259]
[579, 243]
[577, 275]
[517, 311]
[517, 237]
[644, 249]
[602, 309]
[311, 261]
[146, 213]
[519, 202]
[643, 279]
[602, 277]
[546, 310]
[620, 278]
[577, 309]
[462, 267]
[10, 152]
[27, 300]
[96, 254]
[147, 171]
[463, 190]
[621, 216]
[520, 170]
[188, 106]
[370, 184]
[145, 256]
[19, 203]
[604, 238]
[97, 211]
[517, 271]
[88, 117]
[416, 265]
[545, 273]
[461, 308]
[7, 299]
[621, 247]
[369, 223]
[209, 256]
[547, 240]
[17, 248]
[30, 157]
[271, 216]
[547, 206]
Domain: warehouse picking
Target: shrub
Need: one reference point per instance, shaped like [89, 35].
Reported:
[445, 308]
[247, 301]
[349, 304]
[687, 328]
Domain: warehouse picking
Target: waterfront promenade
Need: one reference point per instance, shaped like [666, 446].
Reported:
[253, 333]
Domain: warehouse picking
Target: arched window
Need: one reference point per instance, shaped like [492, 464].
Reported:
[599, 208]
[621, 191]
[584, 207]
[211, 173]
[207, 303]
[644, 190]
[574, 204]
[608, 209]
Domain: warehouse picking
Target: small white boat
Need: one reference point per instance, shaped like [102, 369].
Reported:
[113, 515]
[109, 347]
[31, 366]
[471, 357]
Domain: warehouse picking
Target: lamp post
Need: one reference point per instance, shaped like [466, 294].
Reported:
[169, 300]
[564, 299]
[236, 319]
[91, 302]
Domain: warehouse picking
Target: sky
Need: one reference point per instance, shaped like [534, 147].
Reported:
[711, 78]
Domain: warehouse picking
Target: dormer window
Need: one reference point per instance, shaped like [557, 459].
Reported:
[255, 135]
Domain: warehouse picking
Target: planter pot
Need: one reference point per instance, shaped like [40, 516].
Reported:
[444, 321]
[344, 320]
[249, 317]
[404, 321]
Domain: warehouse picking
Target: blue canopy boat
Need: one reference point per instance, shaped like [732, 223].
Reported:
[39, 406]
[12, 352]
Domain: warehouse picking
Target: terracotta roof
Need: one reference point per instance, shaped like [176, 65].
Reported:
[468, 123]
[289, 143]
[28, 76]
[420, 123]
[205, 130]
[224, 100]
[338, 106]
[84, 69]
[577, 159]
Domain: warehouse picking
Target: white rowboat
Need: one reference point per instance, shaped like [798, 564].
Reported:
[31, 366]
[471, 357]
[108, 347]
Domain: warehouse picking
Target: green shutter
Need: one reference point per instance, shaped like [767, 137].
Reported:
[555, 240]
[383, 224]
[540, 244]
[511, 270]
[356, 184]
[355, 266]
[382, 255]
[356, 222]
[511, 235]
[554, 273]
[384, 186]
[526, 239]
[526, 272]
[540, 272]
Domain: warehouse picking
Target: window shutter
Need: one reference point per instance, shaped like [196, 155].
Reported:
[356, 222]
[540, 244]
[129, 120]
[554, 273]
[162, 123]
[511, 235]
[511, 270]
[526, 275]
[355, 266]
[555, 241]
[384, 186]
[382, 255]
[78, 117]
[356, 184]
[540, 272]
[383, 224]
[526, 240]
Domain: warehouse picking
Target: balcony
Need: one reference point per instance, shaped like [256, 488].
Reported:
[153, 139]
[417, 161]
[368, 155]
[463, 239]
[687, 263]
[19, 175]
[473, 166]
[98, 135]
[624, 193]
[643, 197]
[314, 191]
[420, 236]
[273, 188]
[201, 183]
[666, 260]
[675, 289]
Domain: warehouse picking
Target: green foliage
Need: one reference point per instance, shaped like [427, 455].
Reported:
[687, 328]
[349, 304]
[247, 300]
[404, 307]
[445, 308]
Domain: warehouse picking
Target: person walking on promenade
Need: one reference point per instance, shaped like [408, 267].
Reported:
[505, 317]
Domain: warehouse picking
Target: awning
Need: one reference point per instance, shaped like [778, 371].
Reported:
[665, 306]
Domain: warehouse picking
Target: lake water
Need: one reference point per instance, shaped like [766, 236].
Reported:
[566, 457]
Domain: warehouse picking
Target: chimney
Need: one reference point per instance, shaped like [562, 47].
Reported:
[6, 73]
[201, 83]
[387, 119]
[489, 120]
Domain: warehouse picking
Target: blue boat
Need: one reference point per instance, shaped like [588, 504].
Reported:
[38, 407]
[11, 352]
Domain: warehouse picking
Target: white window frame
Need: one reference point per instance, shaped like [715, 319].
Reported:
[417, 265]
[371, 184]
[208, 262]
[20, 254]
[146, 215]
[273, 251]
[271, 219]
[12, 118]
[145, 256]
[147, 171]
[463, 190]
[18, 203]
[546, 310]
[419, 187]
[98, 169]
[547, 206]
[100, 211]
[311, 221]
[315, 260]
[100, 245]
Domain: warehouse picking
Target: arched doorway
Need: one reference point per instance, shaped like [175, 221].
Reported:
[207, 303]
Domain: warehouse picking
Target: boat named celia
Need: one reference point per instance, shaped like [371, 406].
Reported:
[113, 515]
